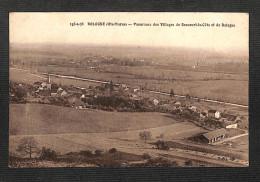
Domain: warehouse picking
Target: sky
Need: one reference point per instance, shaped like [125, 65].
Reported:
[55, 28]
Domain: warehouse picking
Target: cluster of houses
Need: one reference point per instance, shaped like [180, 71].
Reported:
[49, 89]
[229, 121]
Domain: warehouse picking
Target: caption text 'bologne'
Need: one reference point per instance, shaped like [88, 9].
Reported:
[78, 24]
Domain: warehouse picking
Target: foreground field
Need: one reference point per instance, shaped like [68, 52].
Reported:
[36, 119]
[103, 130]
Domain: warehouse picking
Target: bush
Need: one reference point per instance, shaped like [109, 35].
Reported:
[47, 153]
[145, 135]
[98, 152]
[107, 163]
[146, 156]
[162, 145]
[160, 162]
[86, 153]
[188, 163]
[113, 150]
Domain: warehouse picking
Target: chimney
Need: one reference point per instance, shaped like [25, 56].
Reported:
[49, 79]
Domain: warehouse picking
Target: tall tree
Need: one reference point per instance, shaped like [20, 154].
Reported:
[28, 146]
[145, 135]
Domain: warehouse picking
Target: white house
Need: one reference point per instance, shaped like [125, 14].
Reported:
[43, 85]
[63, 93]
[135, 90]
[193, 108]
[48, 86]
[53, 94]
[213, 114]
[232, 126]
[155, 101]
[82, 96]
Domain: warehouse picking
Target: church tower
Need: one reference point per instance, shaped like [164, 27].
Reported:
[48, 79]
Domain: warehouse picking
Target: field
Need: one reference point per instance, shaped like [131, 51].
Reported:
[36, 119]
[107, 131]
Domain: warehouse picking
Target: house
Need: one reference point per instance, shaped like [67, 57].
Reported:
[214, 136]
[60, 89]
[48, 85]
[63, 93]
[231, 125]
[202, 116]
[54, 94]
[82, 96]
[193, 108]
[223, 120]
[231, 118]
[43, 84]
[155, 101]
[177, 104]
[214, 114]
[124, 86]
[135, 90]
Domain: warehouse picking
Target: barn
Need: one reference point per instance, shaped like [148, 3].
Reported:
[214, 136]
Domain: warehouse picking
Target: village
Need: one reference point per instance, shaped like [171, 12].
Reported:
[126, 98]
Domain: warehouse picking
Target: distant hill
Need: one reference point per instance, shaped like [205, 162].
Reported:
[162, 55]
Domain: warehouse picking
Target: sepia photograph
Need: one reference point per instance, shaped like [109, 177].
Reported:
[139, 89]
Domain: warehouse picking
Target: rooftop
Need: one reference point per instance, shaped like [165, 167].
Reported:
[216, 133]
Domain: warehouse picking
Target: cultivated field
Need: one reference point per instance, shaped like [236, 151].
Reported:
[107, 131]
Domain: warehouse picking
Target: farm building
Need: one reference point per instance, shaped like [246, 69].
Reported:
[213, 114]
[216, 135]
[231, 118]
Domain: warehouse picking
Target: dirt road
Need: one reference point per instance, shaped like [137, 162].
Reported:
[228, 139]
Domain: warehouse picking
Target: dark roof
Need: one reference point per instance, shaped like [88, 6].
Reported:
[212, 111]
[216, 133]
[232, 118]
